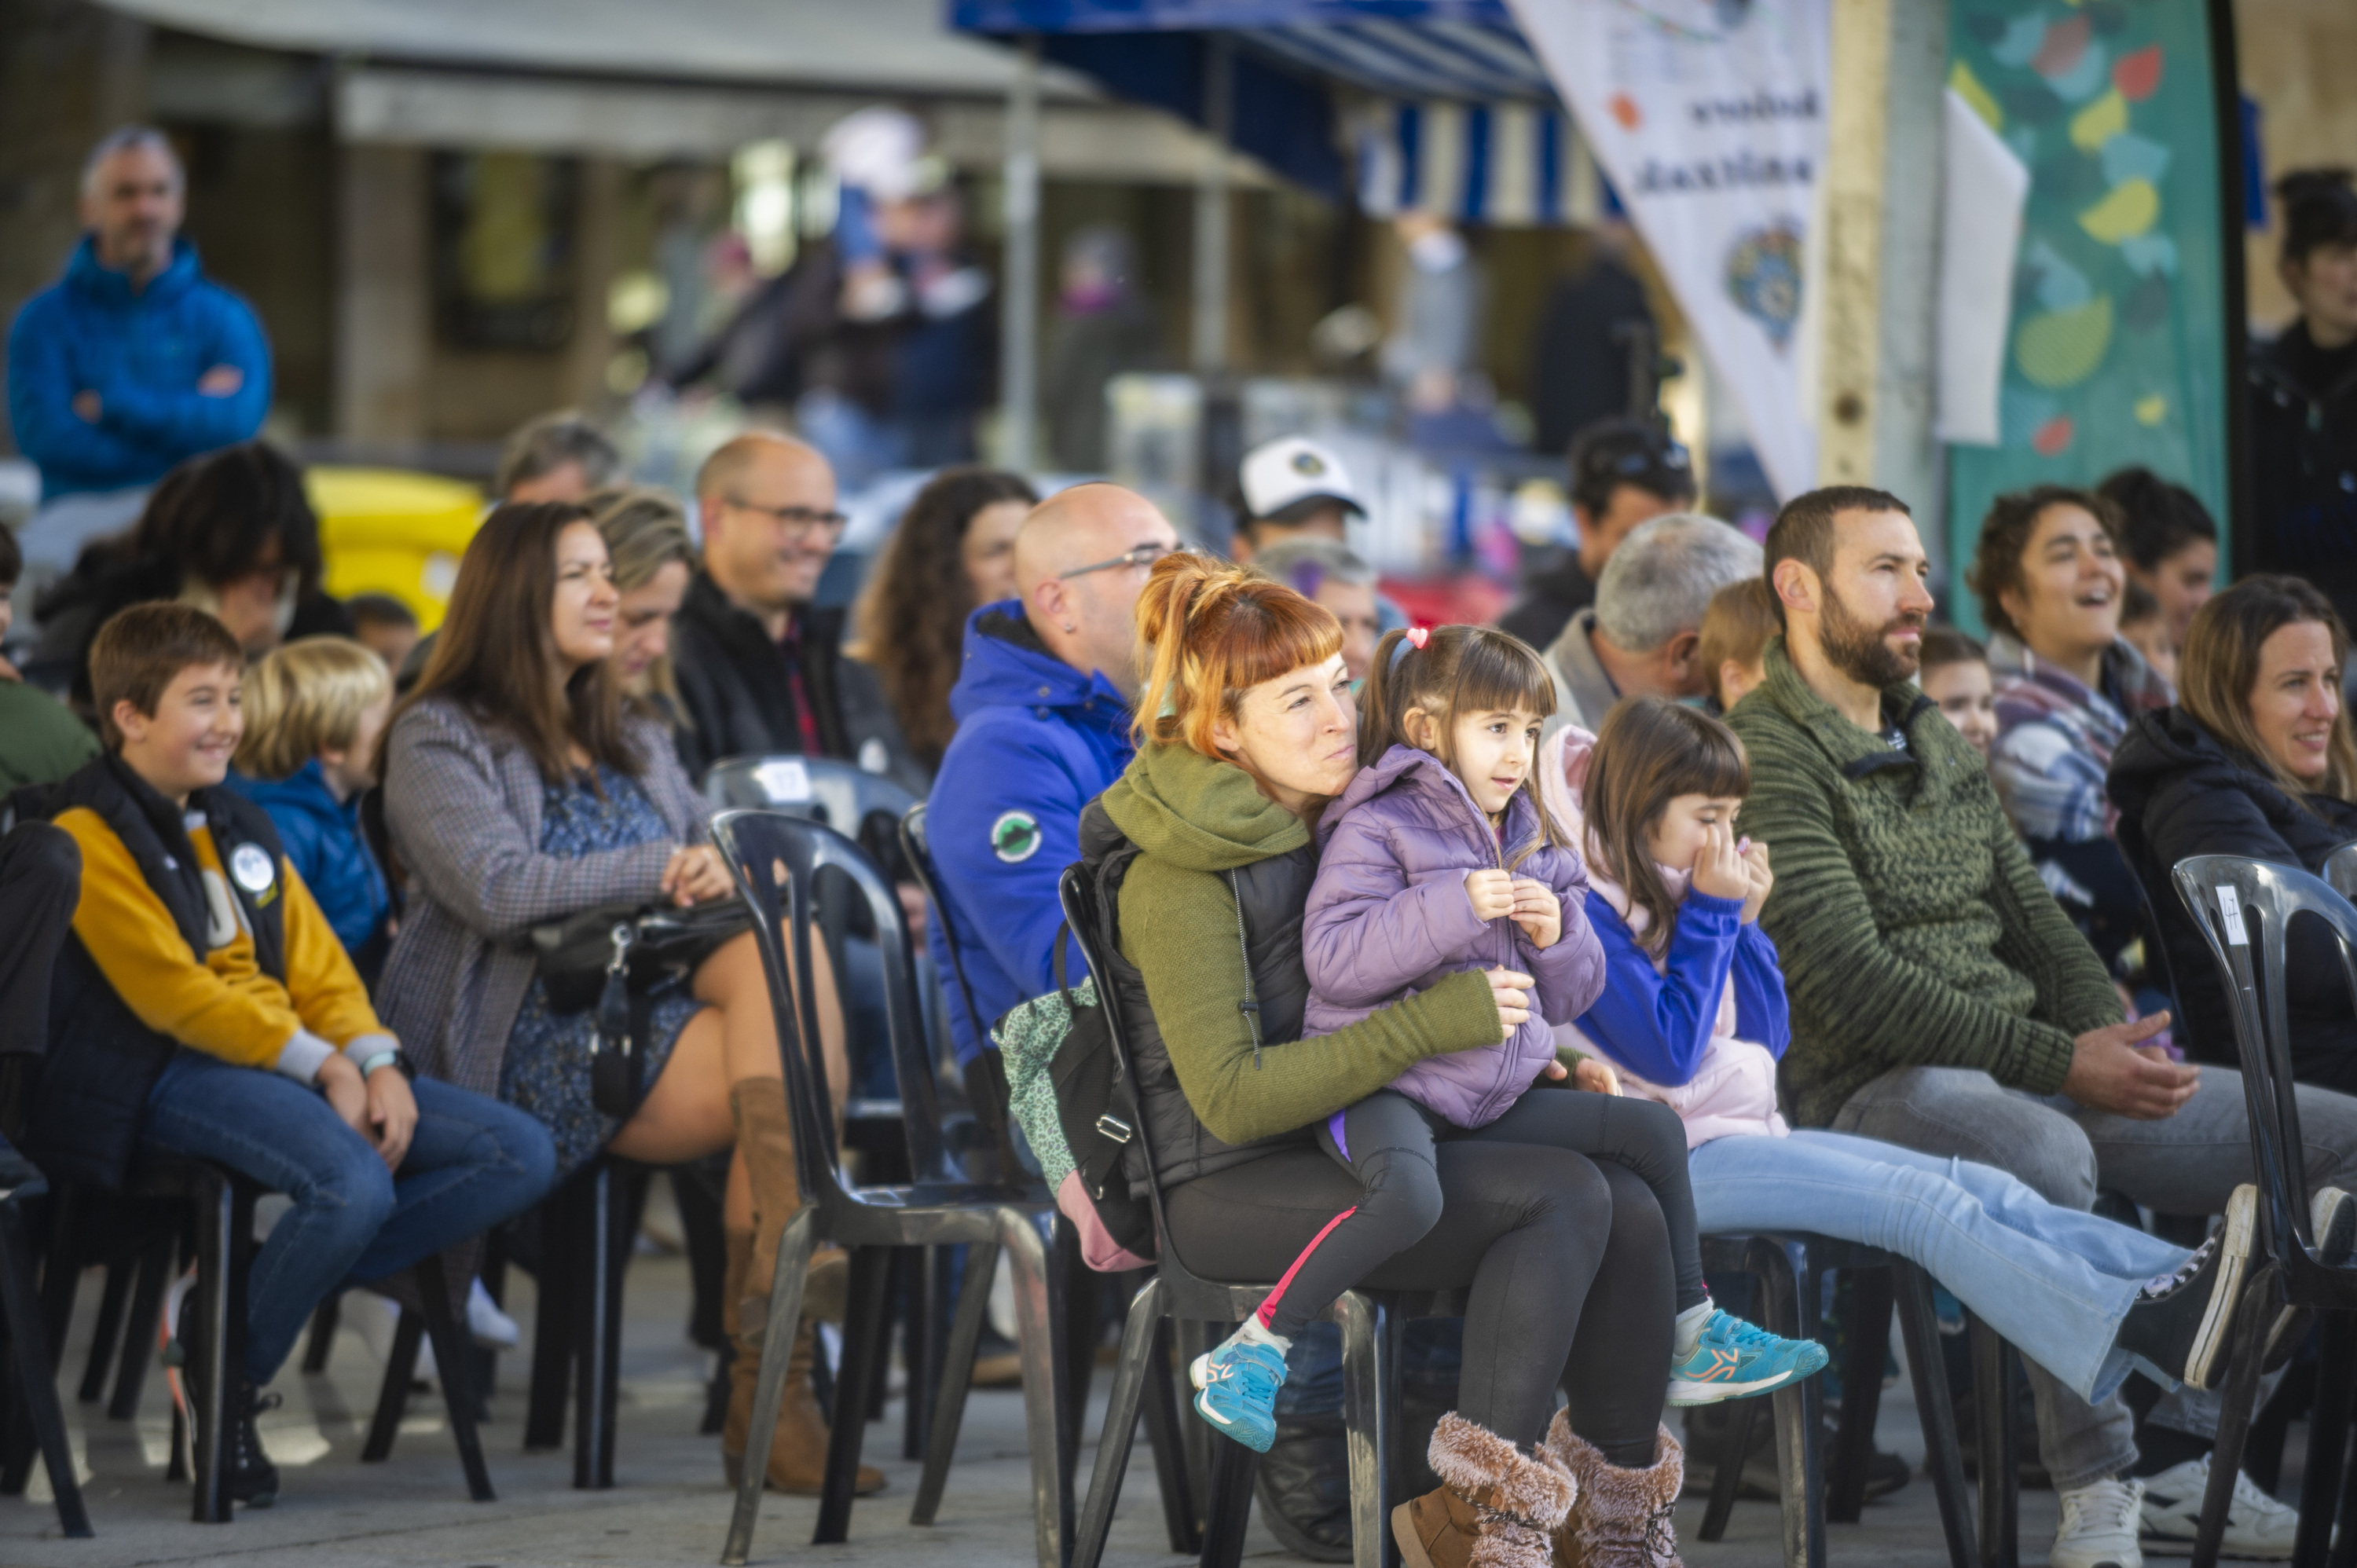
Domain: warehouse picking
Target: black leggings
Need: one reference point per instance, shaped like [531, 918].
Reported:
[1387, 1140]
[1567, 1262]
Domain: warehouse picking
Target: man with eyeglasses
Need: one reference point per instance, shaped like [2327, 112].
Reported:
[760, 668]
[1623, 474]
[1043, 712]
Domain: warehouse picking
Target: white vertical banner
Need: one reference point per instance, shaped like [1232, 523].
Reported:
[1708, 117]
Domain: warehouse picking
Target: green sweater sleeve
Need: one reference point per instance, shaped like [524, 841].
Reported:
[1894, 1012]
[2073, 991]
[1178, 926]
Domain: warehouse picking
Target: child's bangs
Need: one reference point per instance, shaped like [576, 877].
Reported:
[1499, 674]
[1713, 766]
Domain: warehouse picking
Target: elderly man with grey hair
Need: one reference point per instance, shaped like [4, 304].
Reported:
[131, 363]
[1639, 636]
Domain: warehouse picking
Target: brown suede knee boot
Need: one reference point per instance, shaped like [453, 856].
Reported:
[1497, 1507]
[765, 1139]
[798, 1443]
[1623, 1517]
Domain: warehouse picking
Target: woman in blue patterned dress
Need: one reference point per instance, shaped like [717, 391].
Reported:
[518, 791]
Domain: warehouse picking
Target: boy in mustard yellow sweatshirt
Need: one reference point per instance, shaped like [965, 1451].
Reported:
[205, 1007]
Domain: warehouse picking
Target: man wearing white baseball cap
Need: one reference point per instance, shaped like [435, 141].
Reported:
[1294, 489]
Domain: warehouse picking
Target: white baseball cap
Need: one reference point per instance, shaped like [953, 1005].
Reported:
[1292, 473]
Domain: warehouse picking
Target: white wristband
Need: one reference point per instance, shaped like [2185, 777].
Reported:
[378, 1059]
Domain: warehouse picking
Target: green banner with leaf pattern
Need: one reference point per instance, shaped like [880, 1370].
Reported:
[2116, 354]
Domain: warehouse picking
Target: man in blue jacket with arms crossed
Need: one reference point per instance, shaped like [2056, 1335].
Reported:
[133, 361]
[1043, 709]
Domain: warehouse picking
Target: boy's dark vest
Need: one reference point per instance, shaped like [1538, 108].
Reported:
[92, 1093]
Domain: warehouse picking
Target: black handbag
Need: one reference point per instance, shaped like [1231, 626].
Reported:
[611, 958]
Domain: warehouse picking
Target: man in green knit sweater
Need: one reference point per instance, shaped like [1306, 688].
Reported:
[1940, 1000]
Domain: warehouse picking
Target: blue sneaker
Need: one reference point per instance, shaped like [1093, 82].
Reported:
[1733, 1359]
[1237, 1386]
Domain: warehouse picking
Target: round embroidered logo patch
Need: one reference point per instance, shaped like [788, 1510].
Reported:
[250, 863]
[1015, 837]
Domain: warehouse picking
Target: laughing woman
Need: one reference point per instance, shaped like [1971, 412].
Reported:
[2050, 580]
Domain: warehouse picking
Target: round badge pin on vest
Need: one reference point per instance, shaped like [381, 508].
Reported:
[250, 863]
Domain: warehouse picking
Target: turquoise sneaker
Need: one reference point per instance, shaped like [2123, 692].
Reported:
[1733, 1360]
[1237, 1386]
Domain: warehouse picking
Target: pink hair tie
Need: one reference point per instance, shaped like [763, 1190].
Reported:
[1419, 635]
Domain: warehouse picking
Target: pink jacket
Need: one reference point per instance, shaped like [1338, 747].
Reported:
[1732, 1089]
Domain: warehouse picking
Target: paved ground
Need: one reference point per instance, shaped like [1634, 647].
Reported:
[670, 1506]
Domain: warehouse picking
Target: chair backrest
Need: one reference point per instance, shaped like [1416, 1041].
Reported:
[2240, 904]
[826, 789]
[2341, 870]
[2152, 888]
[918, 851]
[778, 860]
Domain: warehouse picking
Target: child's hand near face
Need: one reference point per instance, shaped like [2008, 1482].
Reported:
[1764, 881]
[1537, 911]
[1719, 871]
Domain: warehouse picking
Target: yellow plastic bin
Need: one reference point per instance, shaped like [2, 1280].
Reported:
[387, 531]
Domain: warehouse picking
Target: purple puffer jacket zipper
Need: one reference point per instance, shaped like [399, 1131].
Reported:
[1388, 917]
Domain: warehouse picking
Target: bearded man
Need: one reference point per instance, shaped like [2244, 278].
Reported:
[1941, 999]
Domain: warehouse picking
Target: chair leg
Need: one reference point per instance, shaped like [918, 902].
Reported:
[61, 1274]
[1871, 1301]
[917, 1348]
[2256, 1315]
[1800, 1414]
[325, 1321]
[1038, 1322]
[863, 1344]
[1919, 1326]
[553, 1319]
[794, 1247]
[217, 1208]
[957, 1382]
[1368, 1429]
[2328, 1437]
[1141, 1336]
[139, 1333]
[36, 1384]
[453, 1358]
[107, 1333]
[605, 1227]
[1195, 1437]
[1229, 1508]
[392, 1393]
[1996, 1373]
[1181, 1522]
[1727, 1481]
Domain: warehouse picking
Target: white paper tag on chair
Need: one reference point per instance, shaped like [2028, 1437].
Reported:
[784, 780]
[2230, 909]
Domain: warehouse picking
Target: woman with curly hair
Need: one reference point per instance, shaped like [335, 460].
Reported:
[954, 553]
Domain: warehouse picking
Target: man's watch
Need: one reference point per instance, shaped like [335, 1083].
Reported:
[395, 1058]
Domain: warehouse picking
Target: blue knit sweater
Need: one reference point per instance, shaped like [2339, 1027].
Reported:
[141, 352]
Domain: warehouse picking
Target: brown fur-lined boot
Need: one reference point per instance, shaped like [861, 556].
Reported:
[1496, 1506]
[1622, 1517]
[798, 1444]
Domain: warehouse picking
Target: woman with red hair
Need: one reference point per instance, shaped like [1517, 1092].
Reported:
[1204, 850]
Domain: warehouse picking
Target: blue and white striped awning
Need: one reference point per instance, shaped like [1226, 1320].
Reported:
[1477, 61]
[1511, 164]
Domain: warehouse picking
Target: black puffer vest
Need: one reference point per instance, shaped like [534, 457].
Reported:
[92, 1093]
[1273, 893]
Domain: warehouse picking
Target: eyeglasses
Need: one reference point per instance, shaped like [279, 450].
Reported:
[799, 520]
[1143, 555]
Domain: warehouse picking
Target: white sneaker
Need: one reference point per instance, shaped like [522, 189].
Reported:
[2257, 1525]
[2099, 1526]
[486, 1324]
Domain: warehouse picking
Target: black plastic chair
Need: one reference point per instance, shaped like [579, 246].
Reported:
[1818, 1487]
[778, 860]
[1371, 1322]
[31, 1403]
[917, 849]
[2241, 905]
[866, 808]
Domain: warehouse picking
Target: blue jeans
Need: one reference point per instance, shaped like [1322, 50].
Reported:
[2053, 1281]
[471, 1164]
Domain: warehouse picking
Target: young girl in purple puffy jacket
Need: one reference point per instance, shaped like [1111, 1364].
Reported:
[1440, 857]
